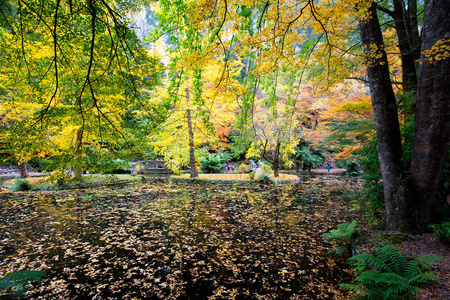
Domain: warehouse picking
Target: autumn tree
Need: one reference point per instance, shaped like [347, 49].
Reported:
[267, 125]
[71, 70]
[200, 87]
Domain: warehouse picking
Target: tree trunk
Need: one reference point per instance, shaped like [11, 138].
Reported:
[78, 176]
[386, 120]
[276, 160]
[432, 123]
[247, 67]
[194, 172]
[23, 170]
[413, 31]
[406, 44]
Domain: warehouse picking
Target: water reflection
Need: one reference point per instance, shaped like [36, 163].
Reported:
[161, 241]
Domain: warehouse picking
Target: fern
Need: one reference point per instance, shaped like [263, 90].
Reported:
[15, 283]
[389, 274]
[345, 234]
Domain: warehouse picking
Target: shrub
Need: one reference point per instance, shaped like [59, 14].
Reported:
[441, 231]
[308, 158]
[345, 234]
[60, 177]
[251, 175]
[265, 176]
[21, 184]
[244, 168]
[389, 274]
[214, 162]
[211, 163]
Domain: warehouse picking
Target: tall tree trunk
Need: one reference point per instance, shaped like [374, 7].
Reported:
[78, 176]
[413, 30]
[386, 120]
[194, 172]
[23, 170]
[406, 43]
[432, 123]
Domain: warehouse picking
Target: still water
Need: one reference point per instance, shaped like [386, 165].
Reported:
[163, 240]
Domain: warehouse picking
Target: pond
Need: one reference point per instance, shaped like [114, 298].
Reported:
[163, 240]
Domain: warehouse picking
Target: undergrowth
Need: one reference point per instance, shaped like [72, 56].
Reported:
[389, 274]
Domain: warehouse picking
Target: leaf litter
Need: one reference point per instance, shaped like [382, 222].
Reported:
[161, 240]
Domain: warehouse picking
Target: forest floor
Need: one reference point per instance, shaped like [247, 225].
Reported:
[420, 245]
[427, 244]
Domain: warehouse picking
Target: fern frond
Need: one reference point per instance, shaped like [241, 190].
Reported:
[380, 279]
[428, 261]
[338, 249]
[369, 260]
[390, 274]
[344, 232]
[423, 278]
[376, 292]
[400, 288]
[397, 262]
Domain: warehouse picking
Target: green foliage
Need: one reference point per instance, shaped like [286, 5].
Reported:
[82, 75]
[15, 283]
[310, 159]
[60, 176]
[389, 274]
[441, 231]
[215, 162]
[345, 234]
[244, 168]
[103, 161]
[351, 165]
[371, 205]
[251, 175]
[20, 184]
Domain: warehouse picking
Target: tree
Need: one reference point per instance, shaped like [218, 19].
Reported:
[214, 109]
[405, 21]
[432, 122]
[409, 190]
[71, 70]
[267, 123]
[200, 85]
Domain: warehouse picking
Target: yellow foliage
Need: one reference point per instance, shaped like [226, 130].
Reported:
[347, 152]
[439, 51]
